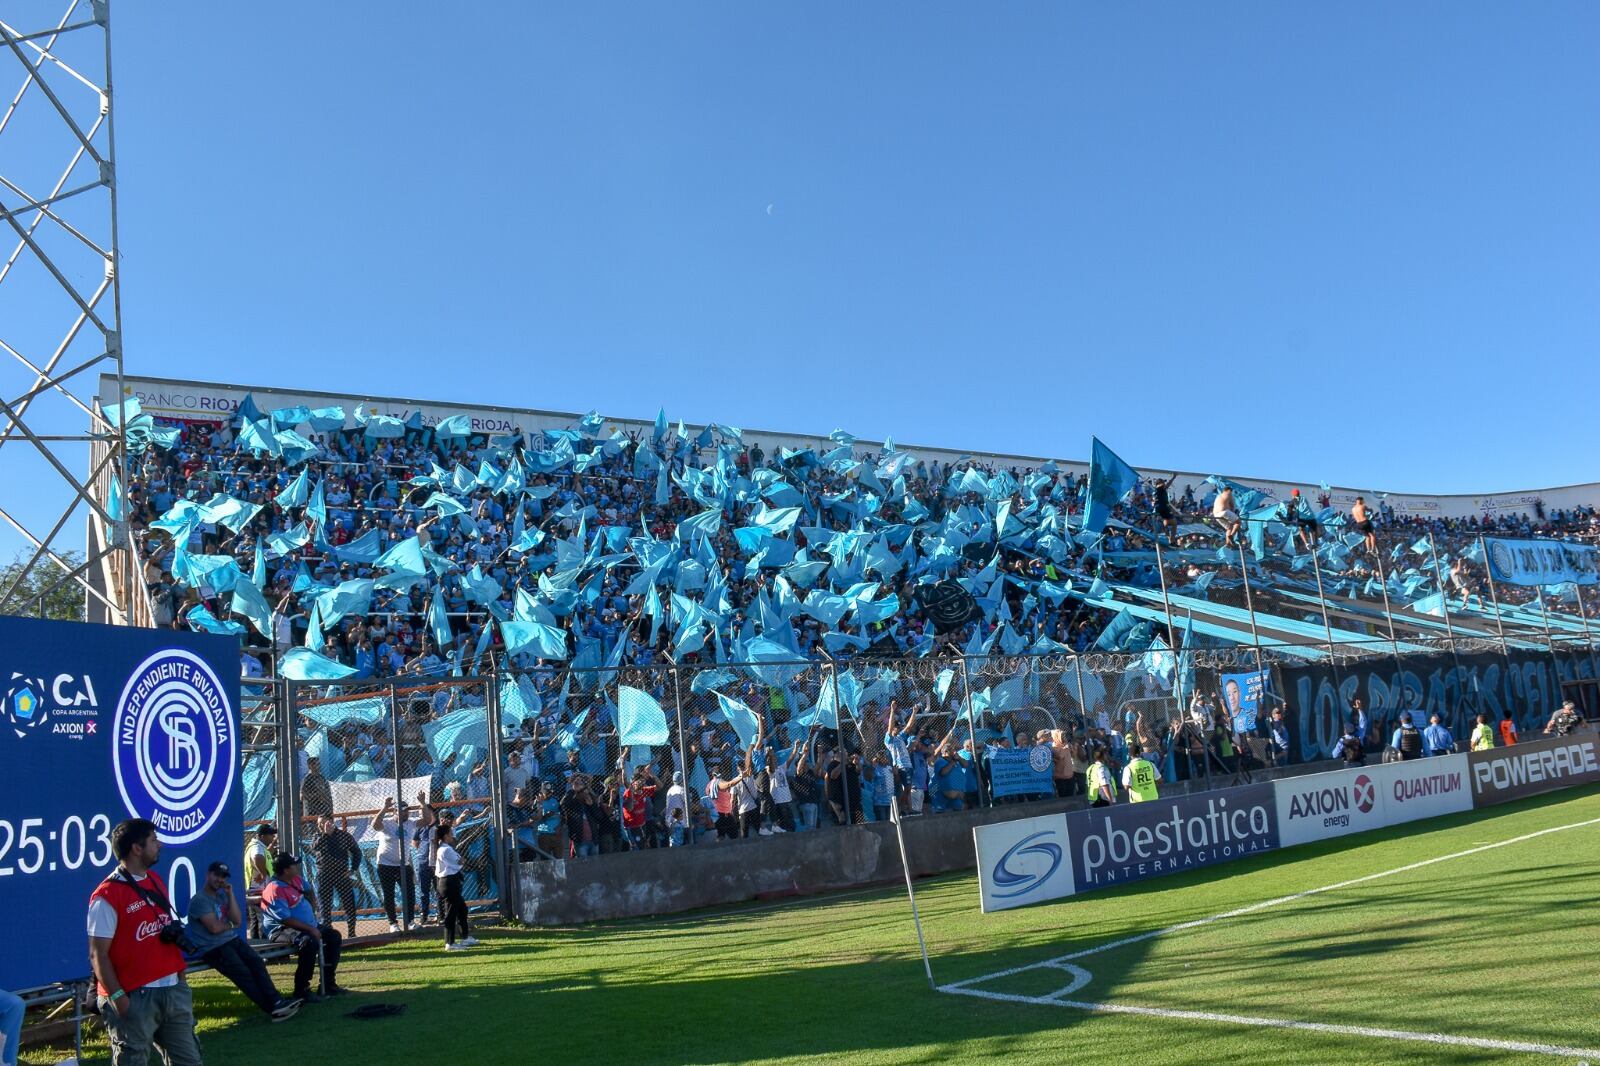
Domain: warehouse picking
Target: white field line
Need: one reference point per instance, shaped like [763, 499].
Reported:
[1263, 905]
[1284, 1023]
[1082, 977]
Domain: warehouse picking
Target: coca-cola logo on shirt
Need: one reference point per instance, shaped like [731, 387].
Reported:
[146, 930]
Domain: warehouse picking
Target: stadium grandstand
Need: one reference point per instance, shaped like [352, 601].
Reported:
[794, 601]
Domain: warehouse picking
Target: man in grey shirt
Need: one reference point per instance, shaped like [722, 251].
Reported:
[214, 922]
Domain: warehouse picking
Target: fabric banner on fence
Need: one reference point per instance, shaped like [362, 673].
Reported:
[369, 795]
[1542, 562]
[1528, 684]
[1021, 771]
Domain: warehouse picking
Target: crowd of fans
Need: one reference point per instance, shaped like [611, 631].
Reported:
[643, 551]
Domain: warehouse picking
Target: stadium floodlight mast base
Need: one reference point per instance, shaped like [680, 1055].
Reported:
[61, 311]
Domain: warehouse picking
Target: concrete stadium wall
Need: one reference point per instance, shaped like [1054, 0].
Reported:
[176, 398]
[670, 880]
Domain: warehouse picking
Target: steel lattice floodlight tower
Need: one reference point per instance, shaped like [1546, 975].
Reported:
[60, 306]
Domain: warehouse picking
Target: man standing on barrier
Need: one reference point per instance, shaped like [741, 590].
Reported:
[214, 921]
[143, 997]
[338, 860]
[289, 915]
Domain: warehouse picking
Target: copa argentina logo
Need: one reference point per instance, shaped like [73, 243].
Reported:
[32, 702]
[173, 745]
[1020, 884]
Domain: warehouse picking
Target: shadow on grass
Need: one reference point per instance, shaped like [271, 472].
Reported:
[833, 980]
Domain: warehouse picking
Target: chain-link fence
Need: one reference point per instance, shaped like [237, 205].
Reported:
[362, 777]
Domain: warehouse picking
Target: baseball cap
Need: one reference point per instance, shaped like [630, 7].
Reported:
[220, 869]
[267, 830]
[284, 861]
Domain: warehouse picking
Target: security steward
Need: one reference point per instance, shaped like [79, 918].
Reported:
[1102, 785]
[1139, 777]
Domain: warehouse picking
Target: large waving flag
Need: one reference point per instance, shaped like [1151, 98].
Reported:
[640, 719]
[1110, 479]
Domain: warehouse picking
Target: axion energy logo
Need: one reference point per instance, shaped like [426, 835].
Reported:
[1328, 805]
[1115, 845]
[1502, 774]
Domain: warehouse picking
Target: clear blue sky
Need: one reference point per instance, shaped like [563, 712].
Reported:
[1356, 243]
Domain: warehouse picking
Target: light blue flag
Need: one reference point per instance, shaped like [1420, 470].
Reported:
[771, 653]
[353, 597]
[640, 719]
[314, 638]
[405, 556]
[742, 718]
[203, 620]
[445, 504]
[258, 573]
[303, 664]
[384, 427]
[281, 544]
[217, 571]
[826, 607]
[453, 427]
[778, 520]
[317, 507]
[180, 520]
[439, 622]
[224, 510]
[327, 419]
[704, 524]
[259, 438]
[534, 638]
[1110, 479]
[248, 601]
[941, 685]
[296, 493]
[826, 711]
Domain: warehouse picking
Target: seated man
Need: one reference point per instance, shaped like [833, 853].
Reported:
[214, 921]
[288, 914]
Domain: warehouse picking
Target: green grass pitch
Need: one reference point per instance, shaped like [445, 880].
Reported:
[1495, 945]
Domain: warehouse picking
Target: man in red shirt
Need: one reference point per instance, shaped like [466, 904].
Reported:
[143, 997]
[636, 806]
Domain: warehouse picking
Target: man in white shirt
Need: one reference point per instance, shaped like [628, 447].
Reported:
[516, 775]
[393, 869]
[676, 810]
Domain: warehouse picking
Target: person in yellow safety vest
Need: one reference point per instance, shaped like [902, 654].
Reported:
[1482, 734]
[1139, 777]
[1102, 786]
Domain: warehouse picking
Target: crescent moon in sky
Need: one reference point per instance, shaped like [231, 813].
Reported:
[769, 209]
